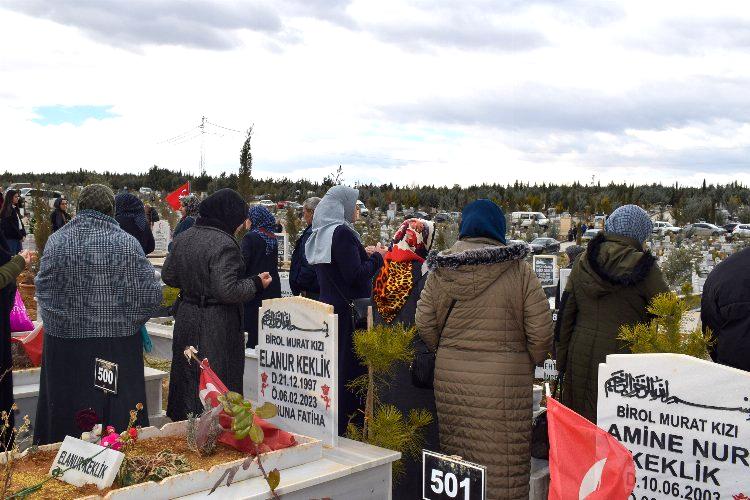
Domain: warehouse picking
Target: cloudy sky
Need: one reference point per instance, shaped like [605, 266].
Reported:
[403, 91]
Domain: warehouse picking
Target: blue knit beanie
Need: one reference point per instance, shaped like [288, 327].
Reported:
[631, 221]
[483, 219]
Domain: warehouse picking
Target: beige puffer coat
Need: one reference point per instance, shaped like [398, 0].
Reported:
[500, 326]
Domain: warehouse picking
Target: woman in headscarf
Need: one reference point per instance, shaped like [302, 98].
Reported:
[611, 285]
[261, 253]
[59, 216]
[131, 215]
[397, 287]
[189, 206]
[484, 312]
[11, 222]
[10, 267]
[206, 265]
[95, 289]
[345, 270]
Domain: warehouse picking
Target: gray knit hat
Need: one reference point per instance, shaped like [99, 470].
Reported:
[97, 197]
[573, 252]
[631, 221]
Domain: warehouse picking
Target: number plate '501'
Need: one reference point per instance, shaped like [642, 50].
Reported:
[105, 375]
[445, 477]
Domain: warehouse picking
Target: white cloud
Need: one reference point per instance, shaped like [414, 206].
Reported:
[395, 91]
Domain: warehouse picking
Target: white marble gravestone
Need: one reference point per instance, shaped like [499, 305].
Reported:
[76, 455]
[162, 237]
[686, 421]
[298, 365]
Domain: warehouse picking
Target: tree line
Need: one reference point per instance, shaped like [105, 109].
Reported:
[687, 204]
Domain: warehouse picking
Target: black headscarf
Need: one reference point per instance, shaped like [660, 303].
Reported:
[225, 210]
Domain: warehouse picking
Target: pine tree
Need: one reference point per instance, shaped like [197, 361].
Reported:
[246, 167]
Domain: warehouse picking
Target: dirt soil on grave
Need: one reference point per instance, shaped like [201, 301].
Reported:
[35, 466]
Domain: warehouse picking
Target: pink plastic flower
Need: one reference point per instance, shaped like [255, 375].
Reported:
[112, 439]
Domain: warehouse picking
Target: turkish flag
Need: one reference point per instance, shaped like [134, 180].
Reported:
[173, 198]
[209, 390]
[585, 462]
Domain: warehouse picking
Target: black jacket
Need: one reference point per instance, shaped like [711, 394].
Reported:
[258, 261]
[10, 228]
[725, 309]
[302, 276]
[58, 218]
[145, 237]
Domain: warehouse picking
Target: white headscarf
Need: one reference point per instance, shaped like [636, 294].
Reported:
[335, 209]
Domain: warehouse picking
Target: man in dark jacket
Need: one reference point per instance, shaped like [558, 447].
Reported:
[725, 310]
[302, 278]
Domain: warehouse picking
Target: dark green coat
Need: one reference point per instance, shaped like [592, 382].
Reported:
[610, 286]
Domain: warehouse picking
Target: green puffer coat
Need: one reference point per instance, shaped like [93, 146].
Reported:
[610, 286]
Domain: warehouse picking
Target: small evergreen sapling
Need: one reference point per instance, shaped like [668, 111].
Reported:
[664, 332]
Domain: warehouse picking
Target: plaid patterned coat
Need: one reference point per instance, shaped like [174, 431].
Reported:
[95, 281]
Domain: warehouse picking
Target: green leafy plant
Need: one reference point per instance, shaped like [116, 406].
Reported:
[142, 468]
[43, 223]
[678, 266]
[380, 349]
[664, 333]
[293, 226]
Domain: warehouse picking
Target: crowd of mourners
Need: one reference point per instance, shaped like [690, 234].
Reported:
[478, 306]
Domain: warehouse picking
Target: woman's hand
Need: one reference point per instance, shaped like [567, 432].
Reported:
[26, 254]
[266, 279]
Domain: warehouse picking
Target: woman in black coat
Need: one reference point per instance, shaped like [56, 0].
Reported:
[395, 293]
[11, 222]
[345, 270]
[59, 216]
[131, 215]
[10, 267]
[260, 249]
[206, 265]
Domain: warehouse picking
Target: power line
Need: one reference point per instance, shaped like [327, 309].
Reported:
[178, 136]
[225, 128]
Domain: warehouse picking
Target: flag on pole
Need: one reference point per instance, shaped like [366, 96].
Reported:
[585, 462]
[173, 198]
[210, 388]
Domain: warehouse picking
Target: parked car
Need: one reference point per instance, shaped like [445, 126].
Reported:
[363, 211]
[283, 204]
[267, 203]
[442, 217]
[544, 246]
[421, 215]
[704, 229]
[145, 190]
[661, 227]
[26, 194]
[741, 231]
[525, 219]
[590, 234]
[730, 227]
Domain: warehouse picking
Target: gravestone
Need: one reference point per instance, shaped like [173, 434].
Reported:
[283, 244]
[547, 371]
[286, 289]
[298, 365]
[162, 236]
[686, 421]
[564, 275]
[545, 267]
[77, 455]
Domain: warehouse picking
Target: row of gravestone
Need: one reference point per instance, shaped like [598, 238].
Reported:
[685, 420]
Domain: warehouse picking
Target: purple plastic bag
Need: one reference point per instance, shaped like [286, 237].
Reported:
[19, 318]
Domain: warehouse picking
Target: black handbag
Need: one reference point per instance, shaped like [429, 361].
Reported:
[423, 366]
[357, 309]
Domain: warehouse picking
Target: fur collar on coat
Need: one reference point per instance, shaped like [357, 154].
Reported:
[478, 256]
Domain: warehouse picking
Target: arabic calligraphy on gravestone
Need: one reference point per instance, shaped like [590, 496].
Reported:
[297, 365]
[686, 421]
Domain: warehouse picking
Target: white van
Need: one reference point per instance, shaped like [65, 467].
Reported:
[525, 219]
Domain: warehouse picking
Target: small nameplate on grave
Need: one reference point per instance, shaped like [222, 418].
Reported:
[286, 288]
[283, 246]
[684, 419]
[545, 267]
[105, 375]
[298, 365]
[445, 477]
[162, 236]
[89, 462]
[564, 275]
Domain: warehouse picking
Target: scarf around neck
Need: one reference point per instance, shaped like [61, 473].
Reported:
[394, 282]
